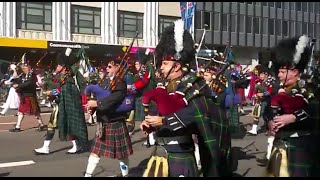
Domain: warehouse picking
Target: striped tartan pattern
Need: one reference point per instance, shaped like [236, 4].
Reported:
[116, 143]
[233, 117]
[139, 114]
[71, 119]
[138, 110]
[182, 164]
[29, 105]
[300, 157]
[213, 126]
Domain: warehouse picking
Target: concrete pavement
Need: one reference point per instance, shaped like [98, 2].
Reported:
[18, 147]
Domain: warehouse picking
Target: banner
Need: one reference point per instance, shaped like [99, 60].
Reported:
[187, 12]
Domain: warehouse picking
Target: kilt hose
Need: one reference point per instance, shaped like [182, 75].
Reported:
[182, 165]
[29, 105]
[293, 157]
[233, 117]
[116, 143]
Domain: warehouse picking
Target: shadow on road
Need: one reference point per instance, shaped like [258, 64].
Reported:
[4, 174]
[239, 153]
[139, 169]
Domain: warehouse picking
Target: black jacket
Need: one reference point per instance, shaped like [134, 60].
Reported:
[107, 106]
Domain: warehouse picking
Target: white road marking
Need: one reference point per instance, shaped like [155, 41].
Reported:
[15, 115]
[8, 123]
[19, 163]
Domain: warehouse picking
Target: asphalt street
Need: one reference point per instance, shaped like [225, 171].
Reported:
[17, 158]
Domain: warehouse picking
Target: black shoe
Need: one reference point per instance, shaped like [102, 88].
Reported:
[15, 130]
[42, 128]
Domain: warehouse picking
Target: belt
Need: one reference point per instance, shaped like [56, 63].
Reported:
[174, 140]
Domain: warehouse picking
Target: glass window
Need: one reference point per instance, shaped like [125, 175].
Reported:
[292, 5]
[286, 5]
[249, 2]
[34, 16]
[278, 4]
[298, 32]
[311, 29]
[298, 6]
[265, 25]
[164, 21]
[264, 3]
[86, 20]
[129, 23]
[305, 28]
[249, 24]
[292, 28]
[224, 22]
[310, 7]
[233, 23]
[198, 19]
[256, 25]
[216, 21]
[257, 3]
[241, 23]
[285, 28]
[305, 6]
[271, 4]
[207, 20]
[271, 26]
[278, 27]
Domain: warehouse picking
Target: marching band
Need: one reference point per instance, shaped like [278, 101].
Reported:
[190, 115]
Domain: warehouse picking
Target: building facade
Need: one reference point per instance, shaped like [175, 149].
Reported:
[250, 26]
[87, 22]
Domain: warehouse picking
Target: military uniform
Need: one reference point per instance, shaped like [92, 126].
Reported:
[200, 116]
[294, 152]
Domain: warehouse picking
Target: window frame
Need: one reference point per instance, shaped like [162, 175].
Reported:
[76, 28]
[163, 25]
[23, 18]
[138, 17]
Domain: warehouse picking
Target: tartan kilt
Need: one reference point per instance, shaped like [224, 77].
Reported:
[29, 105]
[233, 117]
[182, 164]
[116, 143]
[139, 114]
[297, 159]
[240, 91]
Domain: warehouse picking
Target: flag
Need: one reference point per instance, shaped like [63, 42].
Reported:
[85, 67]
[187, 10]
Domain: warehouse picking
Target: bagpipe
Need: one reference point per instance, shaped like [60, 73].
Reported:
[100, 92]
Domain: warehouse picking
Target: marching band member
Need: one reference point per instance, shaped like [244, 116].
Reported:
[262, 93]
[144, 80]
[293, 121]
[112, 139]
[28, 98]
[71, 120]
[174, 131]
